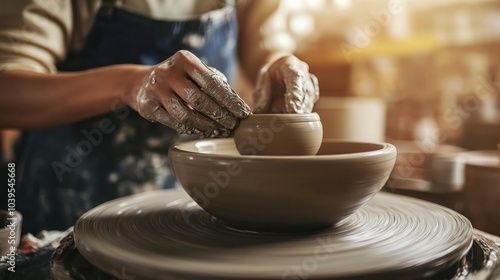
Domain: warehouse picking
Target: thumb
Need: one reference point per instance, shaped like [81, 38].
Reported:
[262, 94]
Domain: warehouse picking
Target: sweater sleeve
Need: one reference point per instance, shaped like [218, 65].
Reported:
[34, 34]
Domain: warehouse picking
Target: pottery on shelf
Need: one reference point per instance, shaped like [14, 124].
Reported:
[352, 118]
[482, 189]
[279, 134]
[281, 193]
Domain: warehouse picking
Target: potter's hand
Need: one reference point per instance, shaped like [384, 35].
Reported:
[188, 96]
[286, 86]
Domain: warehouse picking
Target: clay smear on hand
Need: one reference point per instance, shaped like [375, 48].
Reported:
[217, 88]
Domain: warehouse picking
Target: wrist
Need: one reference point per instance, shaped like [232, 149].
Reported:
[136, 77]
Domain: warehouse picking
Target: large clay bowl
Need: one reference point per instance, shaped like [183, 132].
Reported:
[282, 193]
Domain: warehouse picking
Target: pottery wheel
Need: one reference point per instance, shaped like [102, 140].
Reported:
[165, 235]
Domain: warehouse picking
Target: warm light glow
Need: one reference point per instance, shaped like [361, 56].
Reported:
[315, 4]
[342, 4]
[293, 5]
[302, 24]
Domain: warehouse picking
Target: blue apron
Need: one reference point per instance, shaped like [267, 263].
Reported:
[67, 170]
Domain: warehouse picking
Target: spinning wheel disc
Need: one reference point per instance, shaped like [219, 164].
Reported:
[165, 235]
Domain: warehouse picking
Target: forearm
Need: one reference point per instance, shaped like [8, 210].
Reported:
[252, 67]
[31, 100]
[256, 42]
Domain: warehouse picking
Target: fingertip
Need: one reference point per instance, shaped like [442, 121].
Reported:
[242, 110]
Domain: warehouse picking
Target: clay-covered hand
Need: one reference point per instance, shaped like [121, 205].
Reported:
[286, 86]
[185, 94]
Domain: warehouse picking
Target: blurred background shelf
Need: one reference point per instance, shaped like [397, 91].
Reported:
[410, 71]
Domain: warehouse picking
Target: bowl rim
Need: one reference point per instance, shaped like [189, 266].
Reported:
[385, 149]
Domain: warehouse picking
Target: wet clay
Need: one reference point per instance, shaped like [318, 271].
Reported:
[197, 102]
[281, 192]
[279, 134]
[300, 88]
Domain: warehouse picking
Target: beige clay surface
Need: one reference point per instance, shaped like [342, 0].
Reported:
[279, 134]
[280, 193]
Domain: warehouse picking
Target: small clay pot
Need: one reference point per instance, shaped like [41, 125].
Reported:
[279, 134]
